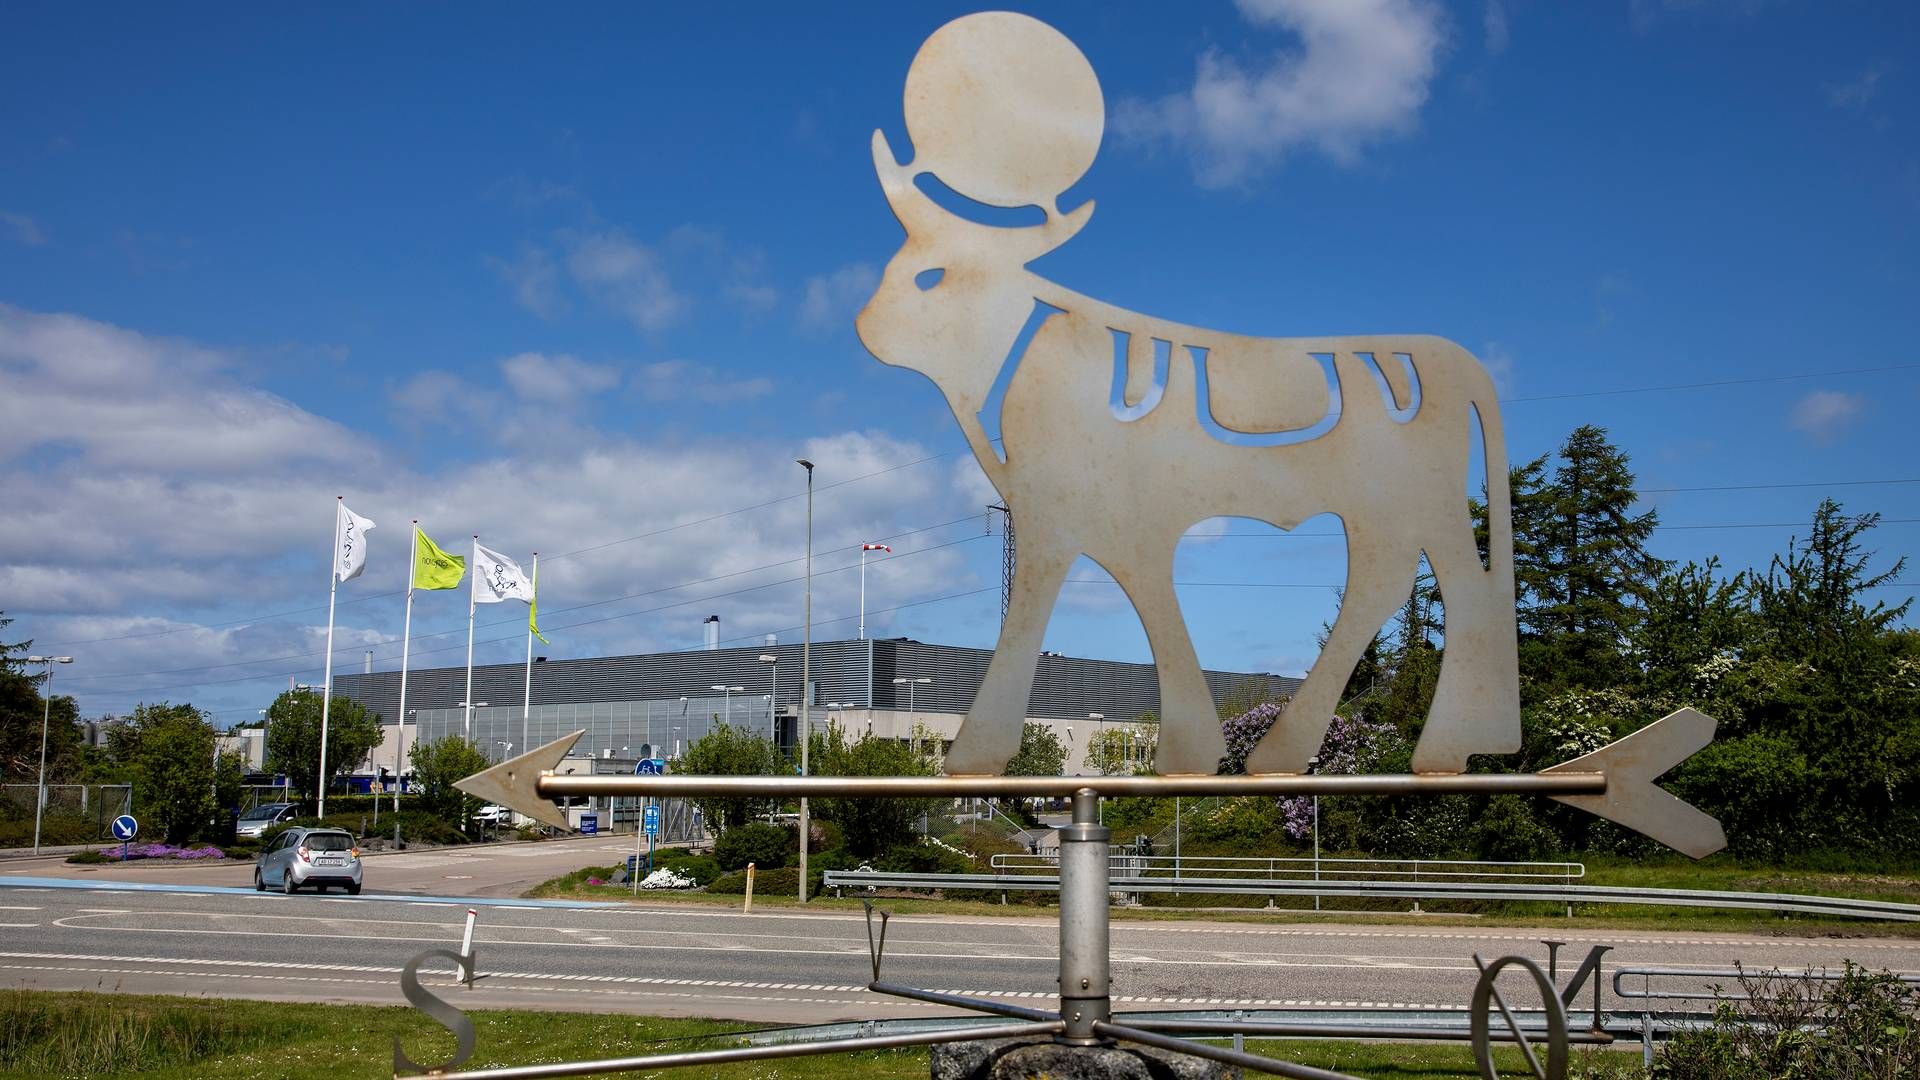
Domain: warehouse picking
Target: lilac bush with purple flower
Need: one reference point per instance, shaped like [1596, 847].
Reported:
[164, 851]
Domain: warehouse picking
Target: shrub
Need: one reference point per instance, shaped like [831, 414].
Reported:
[922, 859]
[702, 869]
[1864, 1024]
[782, 882]
[87, 858]
[756, 842]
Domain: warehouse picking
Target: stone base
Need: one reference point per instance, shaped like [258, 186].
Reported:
[1044, 1059]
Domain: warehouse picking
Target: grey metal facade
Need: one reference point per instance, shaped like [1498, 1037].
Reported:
[1065, 687]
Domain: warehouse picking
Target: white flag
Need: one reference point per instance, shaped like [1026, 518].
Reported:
[497, 578]
[349, 543]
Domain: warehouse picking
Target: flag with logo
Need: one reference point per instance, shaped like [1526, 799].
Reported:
[349, 542]
[432, 567]
[497, 578]
[533, 604]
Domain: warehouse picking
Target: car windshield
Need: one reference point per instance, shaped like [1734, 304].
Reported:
[329, 841]
[260, 813]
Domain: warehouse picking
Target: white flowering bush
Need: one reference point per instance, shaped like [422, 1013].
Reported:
[667, 878]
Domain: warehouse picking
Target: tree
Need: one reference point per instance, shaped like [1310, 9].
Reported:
[726, 750]
[1120, 749]
[293, 739]
[1041, 753]
[1586, 566]
[169, 749]
[229, 779]
[437, 766]
[1693, 617]
[22, 709]
[1809, 602]
[870, 826]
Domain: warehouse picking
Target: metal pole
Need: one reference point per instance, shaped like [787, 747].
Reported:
[773, 707]
[1084, 985]
[474, 574]
[526, 698]
[326, 689]
[862, 632]
[806, 704]
[46, 714]
[406, 645]
[1316, 848]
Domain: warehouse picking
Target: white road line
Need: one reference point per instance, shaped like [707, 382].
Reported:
[17, 907]
[18, 925]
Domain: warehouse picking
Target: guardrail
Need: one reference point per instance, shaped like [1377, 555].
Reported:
[1652, 1019]
[1402, 890]
[1300, 867]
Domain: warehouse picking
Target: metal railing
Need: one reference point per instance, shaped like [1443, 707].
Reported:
[1654, 1021]
[1405, 890]
[1298, 867]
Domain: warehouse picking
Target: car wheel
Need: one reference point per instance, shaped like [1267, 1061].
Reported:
[353, 890]
[258, 884]
[286, 883]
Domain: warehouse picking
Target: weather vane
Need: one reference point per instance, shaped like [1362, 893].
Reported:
[1109, 434]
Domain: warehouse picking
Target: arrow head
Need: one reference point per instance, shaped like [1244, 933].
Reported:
[515, 783]
[1631, 766]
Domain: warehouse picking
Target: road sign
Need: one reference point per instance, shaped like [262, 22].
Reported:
[649, 767]
[589, 824]
[125, 828]
[652, 820]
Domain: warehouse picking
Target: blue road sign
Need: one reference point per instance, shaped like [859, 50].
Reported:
[589, 824]
[125, 828]
[652, 820]
[649, 767]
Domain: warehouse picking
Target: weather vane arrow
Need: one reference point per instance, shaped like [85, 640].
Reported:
[1614, 782]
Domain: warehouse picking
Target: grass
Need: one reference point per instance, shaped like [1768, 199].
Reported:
[1627, 917]
[85, 1035]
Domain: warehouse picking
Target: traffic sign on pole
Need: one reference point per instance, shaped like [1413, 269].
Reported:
[125, 828]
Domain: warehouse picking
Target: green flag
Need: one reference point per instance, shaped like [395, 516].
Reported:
[433, 568]
[533, 605]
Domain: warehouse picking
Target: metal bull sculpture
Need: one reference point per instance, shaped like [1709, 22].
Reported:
[1122, 431]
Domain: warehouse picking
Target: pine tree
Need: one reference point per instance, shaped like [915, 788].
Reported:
[1588, 571]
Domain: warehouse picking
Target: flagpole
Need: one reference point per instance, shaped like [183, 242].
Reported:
[470, 606]
[406, 642]
[526, 701]
[326, 682]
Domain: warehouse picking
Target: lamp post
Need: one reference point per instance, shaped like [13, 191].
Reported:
[913, 715]
[1313, 766]
[469, 706]
[773, 699]
[46, 715]
[506, 748]
[806, 710]
[726, 701]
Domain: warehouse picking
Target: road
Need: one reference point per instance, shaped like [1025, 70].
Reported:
[769, 967]
[478, 870]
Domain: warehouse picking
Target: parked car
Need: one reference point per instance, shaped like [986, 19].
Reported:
[498, 816]
[258, 820]
[304, 856]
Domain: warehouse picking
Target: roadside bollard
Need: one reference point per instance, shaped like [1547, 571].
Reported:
[466, 946]
[748, 906]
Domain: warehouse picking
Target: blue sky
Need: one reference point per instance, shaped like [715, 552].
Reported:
[570, 279]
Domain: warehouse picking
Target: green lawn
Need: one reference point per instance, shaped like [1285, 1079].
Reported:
[163, 1038]
[1634, 917]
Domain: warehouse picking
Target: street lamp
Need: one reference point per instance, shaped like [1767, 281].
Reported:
[469, 706]
[726, 700]
[806, 705]
[1313, 766]
[912, 714]
[46, 714]
[506, 748]
[773, 731]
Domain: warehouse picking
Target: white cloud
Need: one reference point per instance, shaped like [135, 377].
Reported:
[1857, 92]
[25, 229]
[535, 280]
[1824, 414]
[146, 493]
[1360, 74]
[556, 379]
[627, 277]
[679, 380]
[1494, 20]
[832, 300]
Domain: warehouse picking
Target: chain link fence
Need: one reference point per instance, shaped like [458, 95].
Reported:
[75, 813]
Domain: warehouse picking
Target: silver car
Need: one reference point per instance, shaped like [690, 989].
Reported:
[303, 856]
[261, 818]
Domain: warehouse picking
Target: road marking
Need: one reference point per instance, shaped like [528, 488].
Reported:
[18, 925]
[17, 907]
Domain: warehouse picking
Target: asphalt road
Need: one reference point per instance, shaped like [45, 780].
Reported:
[772, 967]
[497, 870]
